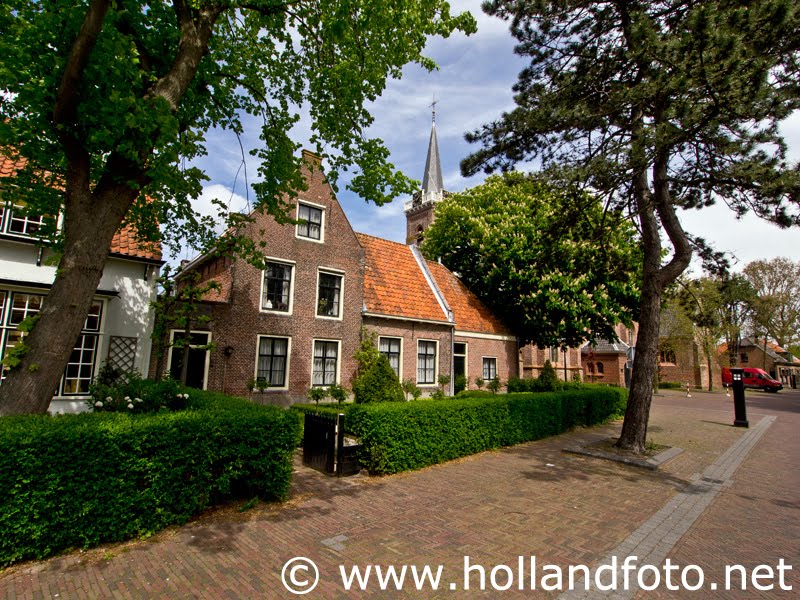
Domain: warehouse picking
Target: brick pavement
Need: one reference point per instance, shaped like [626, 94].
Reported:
[527, 500]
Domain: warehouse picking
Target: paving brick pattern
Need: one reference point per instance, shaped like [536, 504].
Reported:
[527, 500]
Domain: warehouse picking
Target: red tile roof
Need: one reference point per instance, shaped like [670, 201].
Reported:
[470, 314]
[124, 242]
[394, 284]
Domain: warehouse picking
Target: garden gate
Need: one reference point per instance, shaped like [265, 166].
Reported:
[324, 446]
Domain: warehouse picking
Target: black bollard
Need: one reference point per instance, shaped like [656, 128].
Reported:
[740, 410]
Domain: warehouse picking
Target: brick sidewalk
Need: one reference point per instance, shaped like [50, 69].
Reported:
[527, 500]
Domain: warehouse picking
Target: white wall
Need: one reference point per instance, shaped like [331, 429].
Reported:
[128, 314]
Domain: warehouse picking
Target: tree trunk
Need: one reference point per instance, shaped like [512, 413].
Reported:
[710, 371]
[640, 395]
[653, 209]
[29, 387]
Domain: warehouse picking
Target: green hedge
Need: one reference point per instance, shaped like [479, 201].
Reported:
[671, 385]
[406, 436]
[80, 480]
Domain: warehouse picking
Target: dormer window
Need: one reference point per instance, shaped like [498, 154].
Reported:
[311, 222]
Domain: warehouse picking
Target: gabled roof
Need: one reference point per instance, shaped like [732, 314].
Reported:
[394, 284]
[469, 313]
[605, 346]
[124, 242]
[398, 282]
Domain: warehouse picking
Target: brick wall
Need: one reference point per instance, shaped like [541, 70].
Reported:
[419, 217]
[238, 323]
[506, 353]
[613, 368]
[533, 358]
[411, 332]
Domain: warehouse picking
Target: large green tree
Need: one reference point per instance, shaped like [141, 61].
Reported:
[109, 101]
[777, 285]
[657, 106]
[550, 262]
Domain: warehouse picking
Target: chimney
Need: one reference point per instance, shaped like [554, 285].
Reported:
[311, 159]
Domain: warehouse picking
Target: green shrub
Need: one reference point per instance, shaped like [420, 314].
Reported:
[437, 394]
[474, 394]
[671, 385]
[459, 384]
[494, 385]
[132, 394]
[317, 394]
[401, 437]
[548, 381]
[338, 393]
[378, 382]
[75, 481]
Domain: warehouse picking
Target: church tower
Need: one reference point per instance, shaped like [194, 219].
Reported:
[420, 210]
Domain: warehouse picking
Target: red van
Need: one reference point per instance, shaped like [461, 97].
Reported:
[756, 379]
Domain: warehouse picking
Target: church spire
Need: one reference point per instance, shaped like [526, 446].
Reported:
[432, 178]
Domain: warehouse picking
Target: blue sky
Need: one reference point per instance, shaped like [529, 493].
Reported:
[472, 87]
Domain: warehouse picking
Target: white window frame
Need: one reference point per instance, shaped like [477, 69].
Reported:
[337, 273]
[324, 210]
[98, 334]
[435, 363]
[466, 360]
[288, 339]
[282, 261]
[394, 337]
[208, 352]
[494, 358]
[338, 360]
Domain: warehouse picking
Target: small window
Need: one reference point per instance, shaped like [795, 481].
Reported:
[80, 368]
[15, 221]
[743, 358]
[328, 295]
[277, 287]
[426, 362]
[310, 225]
[489, 368]
[666, 356]
[23, 306]
[390, 348]
[600, 368]
[554, 354]
[272, 357]
[326, 358]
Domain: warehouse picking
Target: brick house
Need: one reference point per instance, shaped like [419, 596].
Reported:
[298, 322]
[118, 327]
[610, 362]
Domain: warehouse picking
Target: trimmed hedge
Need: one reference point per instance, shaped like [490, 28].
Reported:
[403, 437]
[80, 480]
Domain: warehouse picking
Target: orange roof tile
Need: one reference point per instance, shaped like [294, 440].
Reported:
[470, 314]
[394, 284]
[124, 241]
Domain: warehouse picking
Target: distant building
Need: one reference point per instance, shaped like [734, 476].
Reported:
[753, 352]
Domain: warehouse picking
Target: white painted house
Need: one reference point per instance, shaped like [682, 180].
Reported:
[118, 326]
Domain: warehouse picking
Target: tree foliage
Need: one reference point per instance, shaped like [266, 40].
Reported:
[545, 260]
[658, 106]
[776, 284]
[110, 102]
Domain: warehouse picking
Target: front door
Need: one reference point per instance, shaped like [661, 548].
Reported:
[197, 361]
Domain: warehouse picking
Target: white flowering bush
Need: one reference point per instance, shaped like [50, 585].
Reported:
[135, 395]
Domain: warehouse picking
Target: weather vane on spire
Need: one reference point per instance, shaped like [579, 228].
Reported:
[433, 109]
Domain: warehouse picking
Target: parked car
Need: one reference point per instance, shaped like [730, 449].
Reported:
[757, 379]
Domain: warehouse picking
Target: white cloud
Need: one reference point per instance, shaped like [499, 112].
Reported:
[473, 87]
[233, 201]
